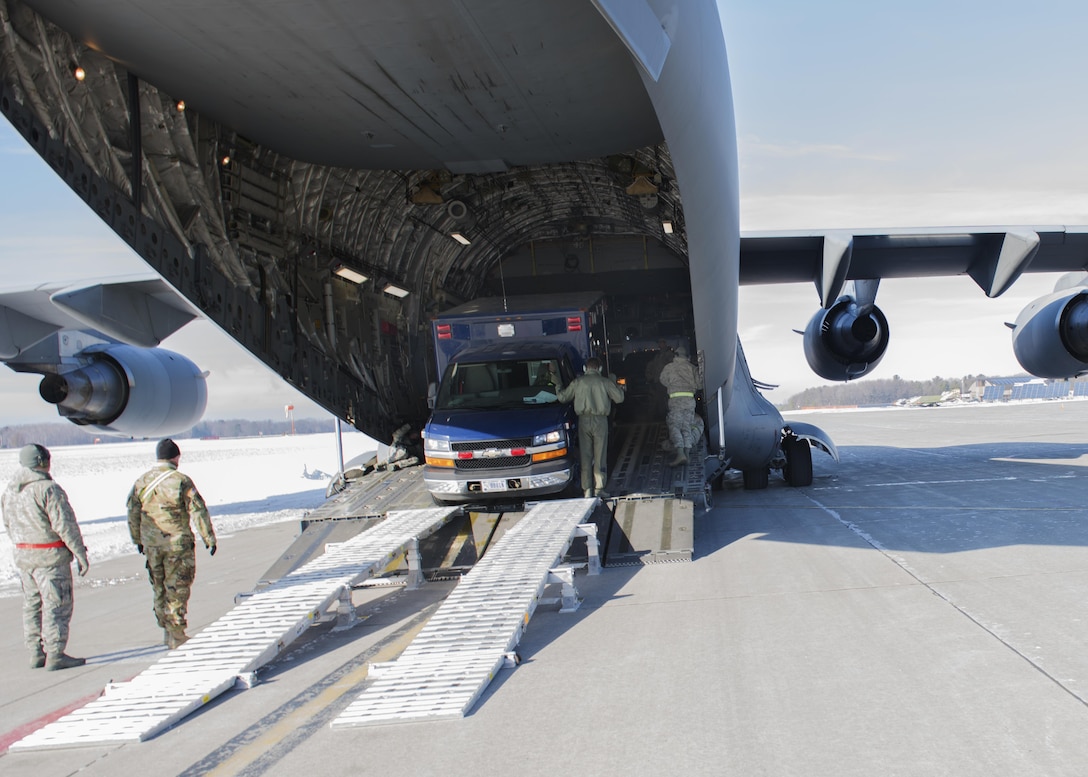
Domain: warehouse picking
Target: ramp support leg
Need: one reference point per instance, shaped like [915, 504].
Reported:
[593, 547]
[415, 565]
[570, 600]
[345, 611]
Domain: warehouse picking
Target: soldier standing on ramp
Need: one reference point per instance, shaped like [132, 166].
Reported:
[681, 380]
[43, 529]
[161, 505]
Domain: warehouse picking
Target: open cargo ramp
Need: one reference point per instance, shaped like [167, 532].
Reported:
[652, 519]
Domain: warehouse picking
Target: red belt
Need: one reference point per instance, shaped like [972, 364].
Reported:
[39, 545]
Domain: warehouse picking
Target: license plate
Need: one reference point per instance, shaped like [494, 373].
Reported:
[493, 485]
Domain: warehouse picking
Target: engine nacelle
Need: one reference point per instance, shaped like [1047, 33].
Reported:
[135, 392]
[842, 343]
[1050, 337]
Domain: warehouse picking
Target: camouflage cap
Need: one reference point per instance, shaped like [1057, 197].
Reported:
[34, 455]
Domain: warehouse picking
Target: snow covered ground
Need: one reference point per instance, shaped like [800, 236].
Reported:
[246, 482]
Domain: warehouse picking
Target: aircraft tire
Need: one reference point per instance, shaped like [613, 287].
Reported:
[798, 469]
[756, 479]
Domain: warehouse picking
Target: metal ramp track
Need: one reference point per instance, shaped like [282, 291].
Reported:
[239, 643]
[642, 470]
[640, 466]
[449, 664]
[374, 495]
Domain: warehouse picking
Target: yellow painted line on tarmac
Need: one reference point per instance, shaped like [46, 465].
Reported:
[273, 736]
[456, 546]
[490, 520]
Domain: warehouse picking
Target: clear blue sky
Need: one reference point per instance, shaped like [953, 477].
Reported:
[849, 114]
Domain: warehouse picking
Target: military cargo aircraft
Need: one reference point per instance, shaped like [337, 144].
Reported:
[321, 179]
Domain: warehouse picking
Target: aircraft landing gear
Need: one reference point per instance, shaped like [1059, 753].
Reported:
[798, 469]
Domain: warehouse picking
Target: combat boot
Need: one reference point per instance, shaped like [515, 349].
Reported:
[680, 458]
[62, 661]
[37, 658]
[176, 637]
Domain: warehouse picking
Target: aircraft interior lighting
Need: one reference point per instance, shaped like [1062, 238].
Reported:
[349, 274]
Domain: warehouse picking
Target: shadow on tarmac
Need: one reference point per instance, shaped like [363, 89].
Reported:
[929, 500]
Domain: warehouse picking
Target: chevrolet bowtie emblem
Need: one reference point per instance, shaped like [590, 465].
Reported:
[491, 453]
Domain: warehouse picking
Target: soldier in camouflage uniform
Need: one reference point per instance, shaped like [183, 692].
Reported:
[681, 380]
[161, 506]
[43, 529]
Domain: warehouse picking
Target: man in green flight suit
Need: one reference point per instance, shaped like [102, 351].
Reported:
[161, 506]
[593, 395]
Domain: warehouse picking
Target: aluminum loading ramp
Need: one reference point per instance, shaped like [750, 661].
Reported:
[449, 664]
[238, 644]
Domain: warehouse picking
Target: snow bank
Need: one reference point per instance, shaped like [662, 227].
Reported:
[247, 482]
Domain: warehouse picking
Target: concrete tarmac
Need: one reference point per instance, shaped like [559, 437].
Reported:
[919, 610]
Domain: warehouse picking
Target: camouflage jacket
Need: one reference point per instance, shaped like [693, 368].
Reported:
[680, 375]
[36, 512]
[160, 506]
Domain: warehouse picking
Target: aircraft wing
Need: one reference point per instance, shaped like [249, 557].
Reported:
[135, 310]
[95, 347]
[993, 256]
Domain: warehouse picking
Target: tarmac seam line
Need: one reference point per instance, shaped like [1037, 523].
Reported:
[902, 564]
[253, 751]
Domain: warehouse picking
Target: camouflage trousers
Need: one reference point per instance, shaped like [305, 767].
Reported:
[171, 573]
[593, 445]
[680, 418]
[47, 607]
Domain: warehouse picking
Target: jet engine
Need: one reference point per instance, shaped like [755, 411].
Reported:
[847, 340]
[1050, 336]
[122, 389]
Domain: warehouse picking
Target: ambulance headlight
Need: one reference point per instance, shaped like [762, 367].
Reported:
[436, 444]
[556, 435]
